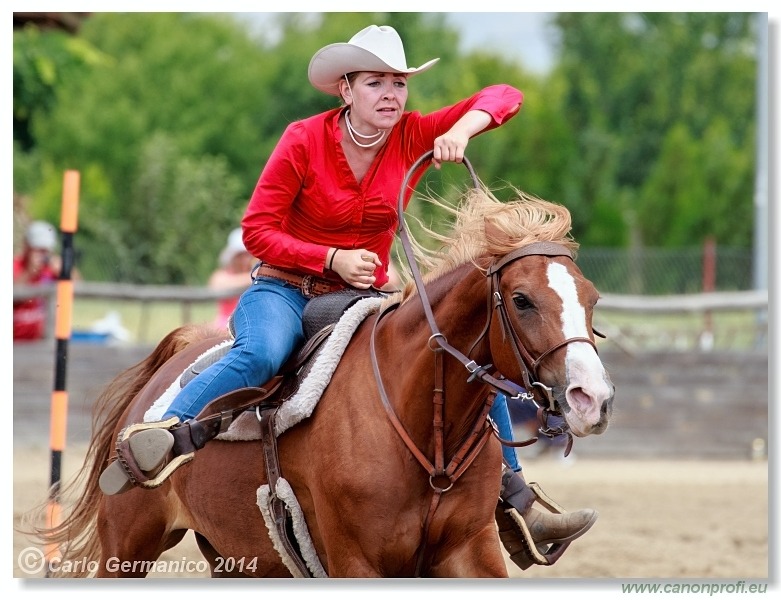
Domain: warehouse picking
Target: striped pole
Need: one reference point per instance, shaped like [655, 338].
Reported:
[62, 332]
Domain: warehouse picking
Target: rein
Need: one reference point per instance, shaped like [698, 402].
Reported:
[524, 357]
[468, 450]
[476, 371]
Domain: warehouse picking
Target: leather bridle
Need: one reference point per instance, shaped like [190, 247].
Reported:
[543, 395]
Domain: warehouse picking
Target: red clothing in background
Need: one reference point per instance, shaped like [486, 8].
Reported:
[30, 315]
[225, 308]
[308, 200]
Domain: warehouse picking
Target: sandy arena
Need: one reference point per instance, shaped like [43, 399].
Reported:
[678, 494]
[658, 519]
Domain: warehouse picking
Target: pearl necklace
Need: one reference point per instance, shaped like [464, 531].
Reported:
[380, 135]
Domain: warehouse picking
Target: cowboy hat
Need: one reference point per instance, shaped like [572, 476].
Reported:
[371, 49]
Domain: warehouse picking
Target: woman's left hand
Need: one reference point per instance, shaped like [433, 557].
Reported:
[450, 146]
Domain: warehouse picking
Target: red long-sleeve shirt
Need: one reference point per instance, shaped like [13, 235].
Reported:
[308, 200]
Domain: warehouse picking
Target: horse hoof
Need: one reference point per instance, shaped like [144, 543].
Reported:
[150, 448]
[113, 480]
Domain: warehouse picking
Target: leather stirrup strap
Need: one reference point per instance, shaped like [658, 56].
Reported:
[217, 416]
[279, 513]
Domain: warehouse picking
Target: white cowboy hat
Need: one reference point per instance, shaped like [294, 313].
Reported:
[374, 48]
[41, 236]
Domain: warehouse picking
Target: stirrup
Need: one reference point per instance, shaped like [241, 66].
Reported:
[517, 538]
[169, 468]
[129, 465]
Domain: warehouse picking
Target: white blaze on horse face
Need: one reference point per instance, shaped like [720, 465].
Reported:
[586, 377]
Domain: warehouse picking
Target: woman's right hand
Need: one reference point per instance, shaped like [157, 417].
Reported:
[356, 267]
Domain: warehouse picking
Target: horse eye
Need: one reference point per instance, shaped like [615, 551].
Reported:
[522, 302]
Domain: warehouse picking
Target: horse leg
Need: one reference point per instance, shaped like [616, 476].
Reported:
[218, 566]
[134, 531]
[481, 557]
[220, 490]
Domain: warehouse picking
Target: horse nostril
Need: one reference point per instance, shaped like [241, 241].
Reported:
[579, 400]
[607, 407]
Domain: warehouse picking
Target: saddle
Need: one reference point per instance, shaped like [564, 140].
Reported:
[319, 319]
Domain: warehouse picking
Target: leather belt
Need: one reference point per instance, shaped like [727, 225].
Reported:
[309, 285]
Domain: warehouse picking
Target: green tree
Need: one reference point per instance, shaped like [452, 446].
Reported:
[196, 81]
[41, 63]
[645, 131]
[647, 94]
[689, 195]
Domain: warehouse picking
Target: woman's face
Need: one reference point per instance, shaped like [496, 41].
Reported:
[376, 100]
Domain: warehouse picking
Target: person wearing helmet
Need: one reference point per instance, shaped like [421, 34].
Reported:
[233, 273]
[36, 265]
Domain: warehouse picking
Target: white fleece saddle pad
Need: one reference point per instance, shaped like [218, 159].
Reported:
[285, 493]
[299, 406]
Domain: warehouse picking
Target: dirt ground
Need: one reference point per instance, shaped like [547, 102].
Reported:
[658, 519]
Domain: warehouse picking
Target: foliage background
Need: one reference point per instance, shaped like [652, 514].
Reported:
[644, 129]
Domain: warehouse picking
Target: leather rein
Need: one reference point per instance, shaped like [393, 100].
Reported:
[441, 477]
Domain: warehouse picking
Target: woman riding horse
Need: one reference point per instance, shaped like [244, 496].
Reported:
[323, 218]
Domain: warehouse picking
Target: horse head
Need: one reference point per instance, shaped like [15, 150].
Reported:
[543, 335]
[539, 329]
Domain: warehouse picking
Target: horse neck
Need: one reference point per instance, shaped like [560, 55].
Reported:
[459, 305]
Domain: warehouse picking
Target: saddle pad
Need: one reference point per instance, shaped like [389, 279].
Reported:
[301, 404]
[300, 530]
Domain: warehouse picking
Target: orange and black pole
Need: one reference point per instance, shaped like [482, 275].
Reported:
[62, 332]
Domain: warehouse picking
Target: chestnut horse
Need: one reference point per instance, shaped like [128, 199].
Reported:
[360, 464]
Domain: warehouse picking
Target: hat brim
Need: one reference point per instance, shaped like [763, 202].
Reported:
[332, 62]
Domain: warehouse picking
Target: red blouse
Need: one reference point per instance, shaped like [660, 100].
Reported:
[308, 200]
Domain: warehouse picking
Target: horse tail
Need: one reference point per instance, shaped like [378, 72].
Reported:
[76, 535]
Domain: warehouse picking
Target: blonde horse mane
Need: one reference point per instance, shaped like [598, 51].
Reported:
[484, 226]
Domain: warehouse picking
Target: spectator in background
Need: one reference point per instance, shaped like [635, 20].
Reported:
[233, 273]
[36, 265]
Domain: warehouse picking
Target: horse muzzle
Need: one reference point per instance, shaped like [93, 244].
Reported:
[587, 410]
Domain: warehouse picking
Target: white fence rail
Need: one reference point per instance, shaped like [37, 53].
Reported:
[747, 300]
[687, 303]
[614, 310]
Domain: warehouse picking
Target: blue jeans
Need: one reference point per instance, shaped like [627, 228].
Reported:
[267, 322]
[500, 415]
